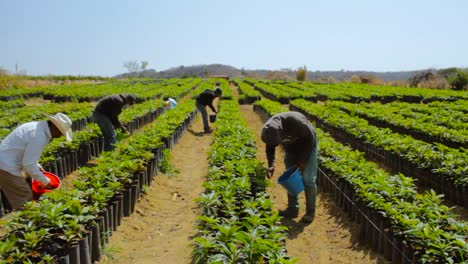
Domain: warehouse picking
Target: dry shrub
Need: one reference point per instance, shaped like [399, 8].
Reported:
[369, 79]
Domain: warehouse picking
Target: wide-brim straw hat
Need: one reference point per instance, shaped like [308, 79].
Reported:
[63, 123]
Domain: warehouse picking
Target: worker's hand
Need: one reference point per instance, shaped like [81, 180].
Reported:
[301, 166]
[41, 169]
[271, 170]
[49, 187]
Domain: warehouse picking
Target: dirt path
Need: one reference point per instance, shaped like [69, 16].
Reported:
[161, 228]
[332, 237]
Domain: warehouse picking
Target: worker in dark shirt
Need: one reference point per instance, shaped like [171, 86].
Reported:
[106, 115]
[206, 99]
[296, 135]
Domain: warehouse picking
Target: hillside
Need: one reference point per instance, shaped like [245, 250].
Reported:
[220, 69]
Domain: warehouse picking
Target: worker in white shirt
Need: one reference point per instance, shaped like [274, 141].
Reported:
[20, 152]
[170, 102]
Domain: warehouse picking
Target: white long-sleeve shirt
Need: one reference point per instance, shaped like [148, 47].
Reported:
[21, 149]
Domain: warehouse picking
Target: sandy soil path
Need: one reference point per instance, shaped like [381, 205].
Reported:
[161, 228]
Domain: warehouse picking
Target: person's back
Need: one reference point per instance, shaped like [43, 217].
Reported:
[106, 115]
[206, 97]
[172, 103]
[294, 132]
[20, 152]
[110, 105]
[12, 146]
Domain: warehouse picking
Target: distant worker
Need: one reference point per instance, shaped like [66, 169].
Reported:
[170, 102]
[294, 132]
[19, 156]
[106, 115]
[206, 99]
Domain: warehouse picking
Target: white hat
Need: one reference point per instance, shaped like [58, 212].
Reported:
[63, 123]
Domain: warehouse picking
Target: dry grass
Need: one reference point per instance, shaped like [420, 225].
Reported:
[15, 81]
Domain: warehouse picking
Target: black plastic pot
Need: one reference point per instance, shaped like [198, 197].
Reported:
[74, 254]
[127, 201]
[134, 196]
[396, 254]
[85, 256]
[96, 250]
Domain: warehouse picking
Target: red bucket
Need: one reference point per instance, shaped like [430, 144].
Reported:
[37, 188]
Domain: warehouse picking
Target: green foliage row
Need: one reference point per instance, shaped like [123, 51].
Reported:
[448, 162]
[38, 233]
[238, 224]
[13, 117]
[423, 126]
[420, 220]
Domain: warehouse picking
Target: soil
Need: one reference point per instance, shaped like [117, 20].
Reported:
[161, 229]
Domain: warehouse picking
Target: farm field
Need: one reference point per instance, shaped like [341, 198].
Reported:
[393, 177]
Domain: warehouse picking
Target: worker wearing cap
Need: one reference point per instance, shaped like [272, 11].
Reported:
[20, 152]
[106, 115]
[206, 99]
[294, 132]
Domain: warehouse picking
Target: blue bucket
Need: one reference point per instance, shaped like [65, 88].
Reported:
[291, 180]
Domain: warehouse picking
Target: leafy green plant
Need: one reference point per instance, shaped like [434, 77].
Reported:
[166, 166]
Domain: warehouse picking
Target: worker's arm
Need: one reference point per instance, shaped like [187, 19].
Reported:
[32, 153]
[270, 153]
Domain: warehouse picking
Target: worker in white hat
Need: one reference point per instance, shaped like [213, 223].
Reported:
[20, 152]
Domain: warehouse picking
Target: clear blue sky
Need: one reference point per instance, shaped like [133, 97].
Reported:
[95, 37]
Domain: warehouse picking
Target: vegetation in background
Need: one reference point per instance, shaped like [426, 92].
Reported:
[457, 78]
[366, 78]
[301, 73]
[8, 80]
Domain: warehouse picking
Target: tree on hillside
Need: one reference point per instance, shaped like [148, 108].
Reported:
[459, 81]
[132, 66]
[448, 72]
[144, 64]
[457, 78]
[301, 73]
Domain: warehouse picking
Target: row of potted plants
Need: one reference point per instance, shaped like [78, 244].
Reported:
[434, 165]
[61, 157]
[405, 226]
[247, 94]
[70, 225]
[448, 114]
[78, 112]
[237, 223]
[6, 105]
[422, 128]
[384, 94]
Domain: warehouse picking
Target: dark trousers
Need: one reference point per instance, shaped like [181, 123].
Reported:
[107, 130]
[202, 109]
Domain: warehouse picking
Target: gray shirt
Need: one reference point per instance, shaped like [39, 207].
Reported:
[293, 131]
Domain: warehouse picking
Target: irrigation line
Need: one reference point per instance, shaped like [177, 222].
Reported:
[364, 215]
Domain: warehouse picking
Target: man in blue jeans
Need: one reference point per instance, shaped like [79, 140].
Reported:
[293, 131]
[106, 115]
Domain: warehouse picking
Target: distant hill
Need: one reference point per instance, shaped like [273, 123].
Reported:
[220, 70]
